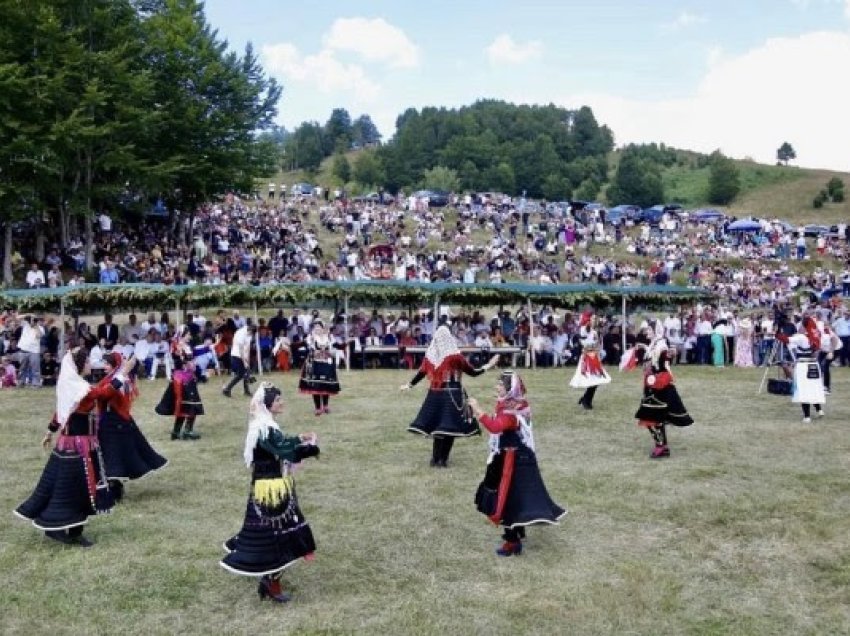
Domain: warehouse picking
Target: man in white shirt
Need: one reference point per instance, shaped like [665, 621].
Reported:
[704, 330]
[30, 345]
[35, 277]
[240, 360]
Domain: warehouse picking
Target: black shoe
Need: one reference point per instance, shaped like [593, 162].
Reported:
[226, 393]
[59, 535]
[83, 542]
[586, 406]
[175, 435]
[433, 463]
[191, 435]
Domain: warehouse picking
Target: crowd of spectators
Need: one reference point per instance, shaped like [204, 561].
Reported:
[476, 239]
[30, 344]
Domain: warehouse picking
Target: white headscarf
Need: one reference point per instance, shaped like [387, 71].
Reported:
[443, 344]
[260, 421]
[71, 388]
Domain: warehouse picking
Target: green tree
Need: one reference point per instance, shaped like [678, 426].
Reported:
[637, 181]
[337, 132]
[556, 187]
[368, 170]
[341, 168]
[834, 185]
[724, 181]
[304, 148]
[211, 104]
[364, 132]
[785, 153]
[441, 178]
[587, 190]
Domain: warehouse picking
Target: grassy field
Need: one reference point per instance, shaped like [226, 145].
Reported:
[744, 530]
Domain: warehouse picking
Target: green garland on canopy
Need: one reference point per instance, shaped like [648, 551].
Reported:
[384, 293]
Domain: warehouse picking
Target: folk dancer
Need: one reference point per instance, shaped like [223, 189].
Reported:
[445, 413]
[512, 494]
[274, 533]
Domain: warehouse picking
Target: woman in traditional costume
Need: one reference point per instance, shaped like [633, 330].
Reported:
[445, 414]
[274, 534]
[512, 494]
[182, 400]
[808, 376]
[661, 404]
[318, 374]
[718, 343]
[73, 485]
[589, 374]
[127, 454]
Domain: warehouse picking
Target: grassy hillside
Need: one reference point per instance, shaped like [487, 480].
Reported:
[784, 192]
[323, 177]
[766, 190]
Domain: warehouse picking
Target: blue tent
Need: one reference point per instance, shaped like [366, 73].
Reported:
[744, 225]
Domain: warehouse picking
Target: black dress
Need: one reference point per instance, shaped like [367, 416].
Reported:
[274, 533]
[72, 486]
[526, 500]
[445, 411]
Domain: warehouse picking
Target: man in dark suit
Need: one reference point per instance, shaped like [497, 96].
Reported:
[107, 332]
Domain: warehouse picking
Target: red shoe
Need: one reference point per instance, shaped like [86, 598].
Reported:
[270, 588]
[510, 548]
[659, 452]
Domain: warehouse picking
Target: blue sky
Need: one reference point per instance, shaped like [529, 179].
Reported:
[740, 76]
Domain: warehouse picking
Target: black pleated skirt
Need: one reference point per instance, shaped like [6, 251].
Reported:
[528, 502]
[190, 406]
[270, 540]
[61, 498]
[126, 452]
[445, 413]
[319, 378]
[664, 406]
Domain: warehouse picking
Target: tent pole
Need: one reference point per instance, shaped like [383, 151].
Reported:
[257, 340]
[346, 335]
[436, 311]
[623, 328]
[531, 334]
[61, 327]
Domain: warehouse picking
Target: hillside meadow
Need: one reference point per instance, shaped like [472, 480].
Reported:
[744, 530]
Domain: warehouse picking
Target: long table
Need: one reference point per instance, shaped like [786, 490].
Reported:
[511, 351]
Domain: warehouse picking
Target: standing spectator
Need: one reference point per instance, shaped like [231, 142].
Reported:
[841, 326]
[30, 345]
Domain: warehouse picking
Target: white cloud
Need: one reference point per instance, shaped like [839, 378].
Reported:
[503, 50]
[714, 55]
[684, 20]
[375, 40]
[322, 71]
[786, 89]
[847, 9]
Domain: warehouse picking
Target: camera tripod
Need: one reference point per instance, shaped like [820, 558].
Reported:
[776, 356]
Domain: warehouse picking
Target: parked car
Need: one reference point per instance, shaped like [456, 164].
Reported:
[436, 198]
[622, 213]
[707, 215]
[375, 197]
[815, 230]
[303, 190]
[651, 215]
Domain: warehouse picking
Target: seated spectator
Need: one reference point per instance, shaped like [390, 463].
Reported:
[9, 379]
[35, 277]
[49, 370]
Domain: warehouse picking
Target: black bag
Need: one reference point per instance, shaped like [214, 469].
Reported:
[779, 387]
